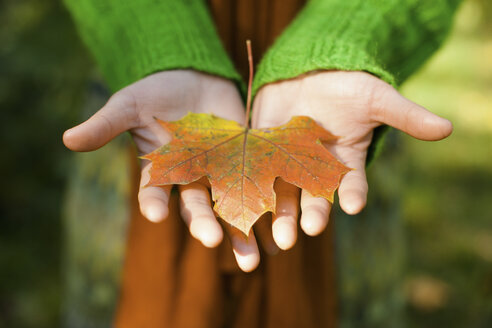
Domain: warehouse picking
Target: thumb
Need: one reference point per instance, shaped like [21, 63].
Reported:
[397, 111]
[117, 116]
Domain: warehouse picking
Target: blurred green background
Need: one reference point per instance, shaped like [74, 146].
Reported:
[446, 187]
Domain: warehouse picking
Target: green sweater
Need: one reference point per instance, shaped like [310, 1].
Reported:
[388, 38]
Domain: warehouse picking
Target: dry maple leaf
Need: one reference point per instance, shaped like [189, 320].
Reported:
[242, 164]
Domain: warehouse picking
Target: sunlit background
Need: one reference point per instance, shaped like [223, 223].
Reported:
[445, 187]
[448, 187]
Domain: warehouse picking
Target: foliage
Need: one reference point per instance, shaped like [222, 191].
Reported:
[242, 164]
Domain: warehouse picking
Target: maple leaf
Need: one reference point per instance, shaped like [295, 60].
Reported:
[242, 164]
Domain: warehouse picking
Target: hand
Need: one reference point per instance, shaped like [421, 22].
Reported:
[169, 96]
[349, 105]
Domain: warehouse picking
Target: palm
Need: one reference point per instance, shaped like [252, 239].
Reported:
[349, 105]
[168, 96]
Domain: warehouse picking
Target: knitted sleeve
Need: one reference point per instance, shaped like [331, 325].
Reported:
[389, 39]
[133, 38]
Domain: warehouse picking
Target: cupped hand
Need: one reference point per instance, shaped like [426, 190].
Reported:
[169, 96]
[349, 105]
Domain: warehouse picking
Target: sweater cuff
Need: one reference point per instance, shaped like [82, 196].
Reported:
[132, 39]
[327, 35]
[389, 39]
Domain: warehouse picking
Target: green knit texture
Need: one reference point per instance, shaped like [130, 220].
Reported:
[134, 38]
[389, 39]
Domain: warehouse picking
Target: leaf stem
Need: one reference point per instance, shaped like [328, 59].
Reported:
[250, 82]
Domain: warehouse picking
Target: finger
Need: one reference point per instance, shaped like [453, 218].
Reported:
[284, 226]
[263, 232]
[245, 249]
[117, 116]
[154, 201]
[197, 213]
[393, 109]
[315, 213]
[353, 187]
